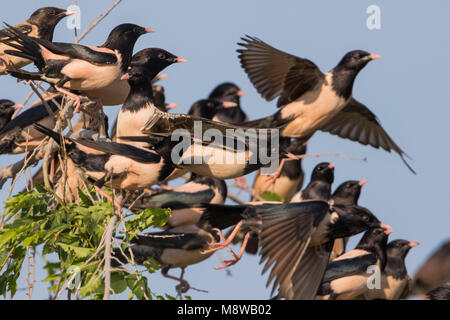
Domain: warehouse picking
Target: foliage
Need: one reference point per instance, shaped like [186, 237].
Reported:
[271, 196]
[73, 233]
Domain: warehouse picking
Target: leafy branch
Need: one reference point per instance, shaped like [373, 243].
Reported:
[74, 233]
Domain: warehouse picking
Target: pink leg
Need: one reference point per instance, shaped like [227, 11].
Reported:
[166, 187]
[6, 62]
[71, 96]
[229, 263]
[183, 285]
[218, 246]
[274, 176]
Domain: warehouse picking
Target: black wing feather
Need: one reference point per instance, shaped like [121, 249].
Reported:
[276, 73]
[357, 123]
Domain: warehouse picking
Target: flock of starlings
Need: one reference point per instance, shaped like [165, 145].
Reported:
[302, 240]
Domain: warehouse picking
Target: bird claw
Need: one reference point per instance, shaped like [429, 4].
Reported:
[240, 183]
[182, 287]
[77, 104]
[6, 63]
[272, 178]
[42, 149]
[227, 263]
[213, 248]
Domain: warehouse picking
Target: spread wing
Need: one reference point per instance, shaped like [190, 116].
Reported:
[164, 124]
[308, 275]
[276, 73]
[285, 237]
[357, 123]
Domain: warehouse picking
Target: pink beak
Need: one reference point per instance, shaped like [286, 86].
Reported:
[241, 93]
[18, 106]
[71, 12]
[331, 166]
[126, 76]
[229, 104]
[162, 76]
[362, 182]
[413, 244]
[181, 59]
[149, 30]
[388, 229]
[375, 56]
[172, 105]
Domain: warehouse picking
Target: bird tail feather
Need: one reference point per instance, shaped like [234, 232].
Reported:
[52, 134]
[27, 47]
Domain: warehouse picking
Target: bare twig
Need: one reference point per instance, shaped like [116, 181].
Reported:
[66, 285]
[31, 254]
[44, 102]
[12, 170]
[98, 20]
[235, 198]
[108, 241]
[75, 29]
[63, 118]
[327, 154]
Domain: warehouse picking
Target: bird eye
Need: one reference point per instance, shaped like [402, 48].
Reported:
[161, 56]
[52, 12]
[136, 30]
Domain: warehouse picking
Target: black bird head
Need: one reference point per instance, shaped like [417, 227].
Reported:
[400, 248]
[319, 187]
[145, 65]
[345, 72]
[375, 240]
[375, 235]
[227, 91]
[351, 220]
[153, 60]
[123, 38]
[356, 60]
[7, 109]
[46, 19]
[323, 172]
[297, 147]
[348, 192]
[205, 108]
[396, 252]
[230, 95]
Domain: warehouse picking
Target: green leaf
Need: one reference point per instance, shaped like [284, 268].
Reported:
[118, 282]
[270, 196]
[152, 217]
[91, 286]
[77, 251]
[85, 200]
[40, 188]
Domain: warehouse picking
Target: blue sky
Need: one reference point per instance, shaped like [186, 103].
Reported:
[407, 89]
